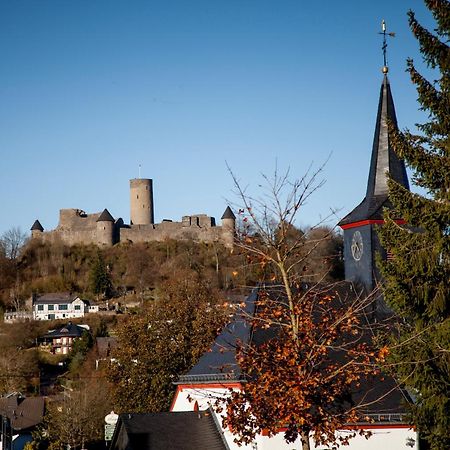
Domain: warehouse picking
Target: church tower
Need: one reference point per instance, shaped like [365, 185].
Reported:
[361, 242]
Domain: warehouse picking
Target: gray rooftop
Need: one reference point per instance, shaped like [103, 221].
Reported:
[228, 214]
[189, 430]
[23, 412]
[219, 364]
[55, 298]
[69, 330]
[37, 226]
[105, 216]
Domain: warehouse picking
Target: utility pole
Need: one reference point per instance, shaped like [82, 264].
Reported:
[5, 433]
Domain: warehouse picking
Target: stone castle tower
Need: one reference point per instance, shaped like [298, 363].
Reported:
[141, 201]
[105, 229]
[228, 227]
[36, 229]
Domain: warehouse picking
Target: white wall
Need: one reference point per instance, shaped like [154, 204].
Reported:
[388, 438]
[69, 313]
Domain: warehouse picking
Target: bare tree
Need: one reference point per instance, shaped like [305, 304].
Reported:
[77, 418]
[12, 241]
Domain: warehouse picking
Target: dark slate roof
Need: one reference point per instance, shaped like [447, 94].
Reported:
[219, 363]
[69, 330]
[190, 430]
[37, 226]
[24, 413]
[383, 160]
[228, 214]
[105, 216]
[54, 298]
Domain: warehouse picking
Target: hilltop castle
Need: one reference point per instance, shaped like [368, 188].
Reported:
[77, 227]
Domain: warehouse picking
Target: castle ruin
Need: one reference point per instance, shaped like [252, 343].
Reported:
[77, 227]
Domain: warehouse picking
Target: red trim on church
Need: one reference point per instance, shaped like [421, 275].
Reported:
[368, 426]
[361, 223]
[224, 385]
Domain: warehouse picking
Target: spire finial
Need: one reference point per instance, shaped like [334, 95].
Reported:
[385, 68]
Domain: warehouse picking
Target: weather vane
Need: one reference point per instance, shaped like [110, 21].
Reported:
[384, 33]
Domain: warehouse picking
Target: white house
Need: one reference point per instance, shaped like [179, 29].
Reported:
[59, 306]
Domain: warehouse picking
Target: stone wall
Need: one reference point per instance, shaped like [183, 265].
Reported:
[198, 228]
[77, 227]
[74, 227]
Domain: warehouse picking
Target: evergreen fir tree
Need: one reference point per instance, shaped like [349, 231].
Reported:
[417, 276]
[100, 279]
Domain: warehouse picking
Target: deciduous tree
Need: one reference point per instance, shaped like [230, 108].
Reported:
[300, 377]
[162, 343]
[76, 419]
[12, 241]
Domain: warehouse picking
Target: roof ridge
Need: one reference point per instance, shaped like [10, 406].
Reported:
[105, 216]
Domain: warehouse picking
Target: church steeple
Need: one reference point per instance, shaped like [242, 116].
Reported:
[383, 161]
[361, 242]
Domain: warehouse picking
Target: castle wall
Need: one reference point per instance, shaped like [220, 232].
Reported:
[171, 230]
[77, 219]
[74, 227]
[70, 237]
[84, 229]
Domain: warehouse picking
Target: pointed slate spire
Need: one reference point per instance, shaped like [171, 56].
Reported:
[383, 161]
[37, 226]
[228, 214]
[105, 216]
[384, 158]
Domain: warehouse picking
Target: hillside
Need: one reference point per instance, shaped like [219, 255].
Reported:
[135, 270]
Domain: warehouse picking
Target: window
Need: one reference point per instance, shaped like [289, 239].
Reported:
[51, 317]
[77, 307]
[63, 307]
[40, 307]
[51, 307]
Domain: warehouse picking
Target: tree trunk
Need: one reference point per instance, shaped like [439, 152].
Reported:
[305, 441]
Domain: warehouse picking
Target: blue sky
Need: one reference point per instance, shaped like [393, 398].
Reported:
[90, 89]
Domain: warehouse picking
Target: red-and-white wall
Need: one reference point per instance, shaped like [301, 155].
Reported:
[384, 437]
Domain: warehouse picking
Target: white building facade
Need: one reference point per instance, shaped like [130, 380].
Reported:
[59, 306]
